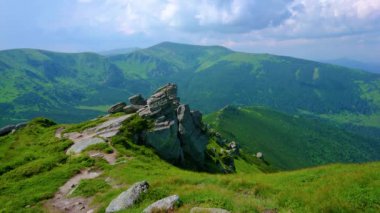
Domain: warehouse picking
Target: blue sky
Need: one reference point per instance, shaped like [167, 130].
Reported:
[314, 29]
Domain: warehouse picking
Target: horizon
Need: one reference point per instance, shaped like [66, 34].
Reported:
[314, 30]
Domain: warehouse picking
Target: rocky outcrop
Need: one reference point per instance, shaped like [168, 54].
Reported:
[164, 205]
[137, 100]
[178, 133]
[94, 135]
[208, 210]
[7, 129]
[10, 128]
[127, 198]
[83, 144]
[117, 108]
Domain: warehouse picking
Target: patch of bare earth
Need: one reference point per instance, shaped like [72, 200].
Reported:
[61, 202]
[110, 158]
[58, 132]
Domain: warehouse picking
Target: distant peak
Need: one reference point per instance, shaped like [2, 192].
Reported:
[169, 44]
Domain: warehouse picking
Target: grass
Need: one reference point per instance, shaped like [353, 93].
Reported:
[334, 188]
[34, 167]
[89, 187]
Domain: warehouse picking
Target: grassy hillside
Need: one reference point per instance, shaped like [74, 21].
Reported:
[33, 165]
[290, 142]
[57, 85]
[65, 87]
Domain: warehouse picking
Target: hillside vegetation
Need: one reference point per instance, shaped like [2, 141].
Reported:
[33, 165]
[290, 142]
[73, 87]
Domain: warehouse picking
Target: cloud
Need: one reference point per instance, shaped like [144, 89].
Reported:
[322, 18]
[271, 18]
[222, 16]
[250, 25]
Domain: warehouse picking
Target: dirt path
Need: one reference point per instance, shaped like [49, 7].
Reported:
[110, 158]
[62, 203]
[58, 132]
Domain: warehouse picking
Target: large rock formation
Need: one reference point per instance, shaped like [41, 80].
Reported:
[178, 134]
[177, 131]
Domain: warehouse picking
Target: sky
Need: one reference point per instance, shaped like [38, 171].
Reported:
[312, 29]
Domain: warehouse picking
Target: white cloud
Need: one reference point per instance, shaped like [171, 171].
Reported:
[223, 16]
[326, 18]
[243, 24]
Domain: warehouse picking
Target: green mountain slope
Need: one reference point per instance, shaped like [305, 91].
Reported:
[33, 165]
[210, 77]
[66, 87]
[290, 142]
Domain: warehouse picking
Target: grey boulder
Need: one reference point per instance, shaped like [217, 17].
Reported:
[164, 205]
[117, 108]
[7, 129]
[130, 109]
[137, 100]
[127, 198]
[208, 210]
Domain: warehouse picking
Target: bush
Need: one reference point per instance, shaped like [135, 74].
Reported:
[44, 122]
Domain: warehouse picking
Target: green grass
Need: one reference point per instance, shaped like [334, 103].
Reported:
[84, 125]
[341, 188]
[89, 187]
[290, 142]
[34, 166]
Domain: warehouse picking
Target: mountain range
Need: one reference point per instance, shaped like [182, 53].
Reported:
[73, 87]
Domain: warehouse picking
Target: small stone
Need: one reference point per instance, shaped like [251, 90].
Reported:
[270, 211]
[208, 210]
[259, 155]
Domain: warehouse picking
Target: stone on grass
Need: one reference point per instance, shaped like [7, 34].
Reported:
[164, 205]
[7, 129]
[127, 198]
[208, 210]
